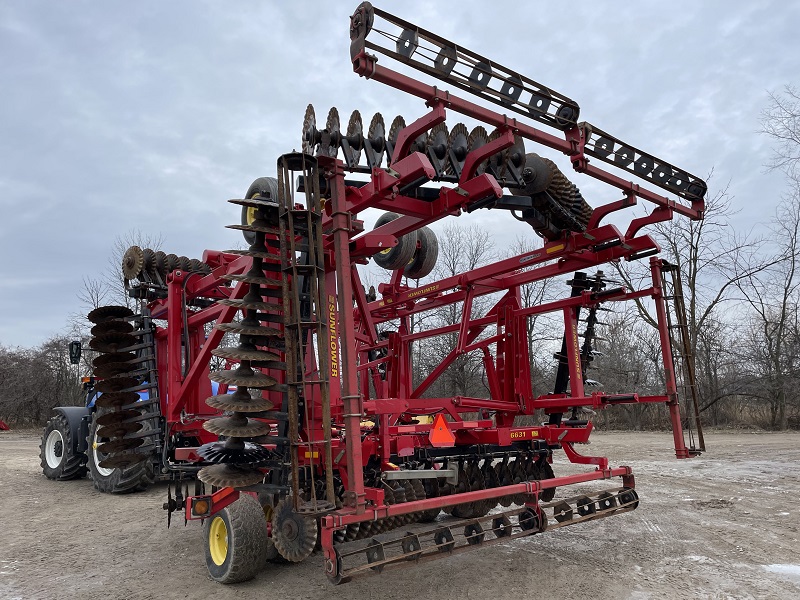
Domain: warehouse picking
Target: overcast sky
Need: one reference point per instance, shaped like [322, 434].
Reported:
[119, 116]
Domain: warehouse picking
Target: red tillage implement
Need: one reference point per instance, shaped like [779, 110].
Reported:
[329, 433]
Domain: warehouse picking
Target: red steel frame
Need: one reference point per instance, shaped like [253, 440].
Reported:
[508, 372]
[499, 335]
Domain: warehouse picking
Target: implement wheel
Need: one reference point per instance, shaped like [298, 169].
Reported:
[58, 460]
[426, 255]
[236, 541]
[397, 257]
[263, 187]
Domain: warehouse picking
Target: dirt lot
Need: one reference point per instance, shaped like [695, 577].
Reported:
[721, 526]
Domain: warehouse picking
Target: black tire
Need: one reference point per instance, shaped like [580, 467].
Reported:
[116, 481]
[399, 256]
[263, 187]
[245, 548]
[426, 255]
[58, 459]
[271, 554]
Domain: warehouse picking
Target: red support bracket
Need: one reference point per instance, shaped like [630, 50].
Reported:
[575, 457]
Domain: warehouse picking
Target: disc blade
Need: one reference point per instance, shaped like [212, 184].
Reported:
[309, 130]
[117, 384]
[122, 461]
[104, 313]
[230, 476]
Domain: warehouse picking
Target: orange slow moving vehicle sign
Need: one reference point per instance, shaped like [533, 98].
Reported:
[440, 435]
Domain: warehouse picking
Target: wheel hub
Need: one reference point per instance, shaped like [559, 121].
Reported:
[54, 449]
[218, 541]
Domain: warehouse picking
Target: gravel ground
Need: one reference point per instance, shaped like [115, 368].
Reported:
[724, 525]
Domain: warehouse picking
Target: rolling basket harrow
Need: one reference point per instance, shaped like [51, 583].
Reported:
[329, 439]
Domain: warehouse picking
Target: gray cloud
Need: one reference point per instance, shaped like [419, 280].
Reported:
[149, 115]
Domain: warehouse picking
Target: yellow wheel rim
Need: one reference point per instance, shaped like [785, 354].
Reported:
[251, 214]
[218, 541]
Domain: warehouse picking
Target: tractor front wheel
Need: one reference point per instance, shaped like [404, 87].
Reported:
[236, 544]
[59, 460]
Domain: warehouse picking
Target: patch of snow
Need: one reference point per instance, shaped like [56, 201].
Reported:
[789, 571]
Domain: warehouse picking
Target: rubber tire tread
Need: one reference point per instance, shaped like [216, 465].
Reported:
[72, 466]
[122, 481]
[401, 255]
[426, 255]
[247, 541]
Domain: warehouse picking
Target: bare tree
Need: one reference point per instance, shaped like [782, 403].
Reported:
[773, 294]
[461, 249]
[34, 380]
[781, 121]
[712, 259]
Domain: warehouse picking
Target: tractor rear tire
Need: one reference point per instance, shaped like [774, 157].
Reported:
[236, 544]
[59, 461]
[116, 481]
